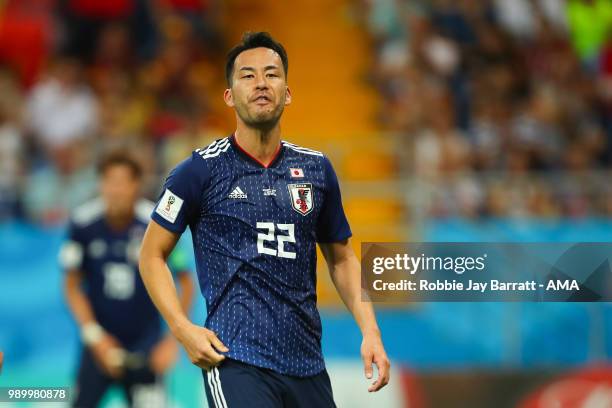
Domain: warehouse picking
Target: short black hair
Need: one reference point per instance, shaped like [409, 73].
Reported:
[252, 40]
[120, 158]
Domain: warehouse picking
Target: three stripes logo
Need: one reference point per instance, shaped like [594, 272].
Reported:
[237, 194]
[214, 385]
[215, 148]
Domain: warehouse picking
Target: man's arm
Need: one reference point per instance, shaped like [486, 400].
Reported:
[187, 289]
[76, 299]
[164, 353]
[344, 269]
[201, 344]
[103, 346]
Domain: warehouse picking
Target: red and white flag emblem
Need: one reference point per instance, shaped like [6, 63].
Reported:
[296, 173]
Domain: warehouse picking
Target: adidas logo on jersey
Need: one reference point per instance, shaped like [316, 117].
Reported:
[237, 193]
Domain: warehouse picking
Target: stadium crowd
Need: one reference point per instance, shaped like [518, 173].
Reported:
[80, 77]
[505, 107]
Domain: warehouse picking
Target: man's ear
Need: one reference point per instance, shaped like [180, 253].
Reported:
[287, 96]
[228, 97]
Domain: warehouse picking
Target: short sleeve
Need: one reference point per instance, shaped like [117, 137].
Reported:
[180, 199]
[332, 225]
[72, 250]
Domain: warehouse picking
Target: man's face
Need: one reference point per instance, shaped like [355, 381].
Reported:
[120, 190]
[259, 89]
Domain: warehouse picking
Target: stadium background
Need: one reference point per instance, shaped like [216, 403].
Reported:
[446, 121]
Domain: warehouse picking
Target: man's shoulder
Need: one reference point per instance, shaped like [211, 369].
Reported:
[197, 166]
[213, 150]
[301, 150]
[143, 210]
[88, 213]
[306, 157]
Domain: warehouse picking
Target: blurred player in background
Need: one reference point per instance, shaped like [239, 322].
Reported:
[257, 206]
[120, 327]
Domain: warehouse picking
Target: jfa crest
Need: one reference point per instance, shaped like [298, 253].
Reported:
[302, 199]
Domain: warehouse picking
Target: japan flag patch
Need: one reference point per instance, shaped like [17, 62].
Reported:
[296, 173]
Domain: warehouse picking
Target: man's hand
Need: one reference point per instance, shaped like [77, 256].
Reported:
[202, 345]
[163, 355]
[372, 351]
[109, 355]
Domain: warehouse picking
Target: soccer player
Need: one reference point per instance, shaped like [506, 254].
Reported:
[120, 326]
[257, 206]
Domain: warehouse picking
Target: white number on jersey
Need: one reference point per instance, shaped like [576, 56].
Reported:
[118, 281]
[280, 239]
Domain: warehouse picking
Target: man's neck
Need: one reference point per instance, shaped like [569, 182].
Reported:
[119, 222]
[261, 144]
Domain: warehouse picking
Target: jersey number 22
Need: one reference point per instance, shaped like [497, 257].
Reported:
[280, 239]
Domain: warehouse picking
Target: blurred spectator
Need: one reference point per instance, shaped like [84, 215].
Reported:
[135, 74]
[516, 17]
[535, 129]
[495, 96]
[114, 48]
[123, 108]
[62, 116]
[488, 133]
[440, 148]
[86, 22]
[12, 146]
[51, 192]
[11, 155]
[26, 36]
[203, 17]
[522, 18]
[61, 110]
[181, 78]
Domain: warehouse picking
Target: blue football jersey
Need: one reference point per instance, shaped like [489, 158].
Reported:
[254, 231]
[108, 259]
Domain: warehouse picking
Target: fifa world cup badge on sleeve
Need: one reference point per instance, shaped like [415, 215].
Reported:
[169, 206]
